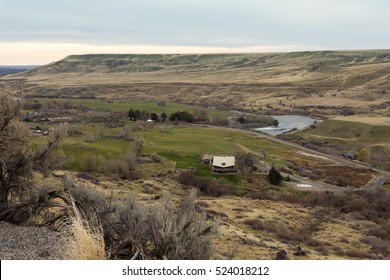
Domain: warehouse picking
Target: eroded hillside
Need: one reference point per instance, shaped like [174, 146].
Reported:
[324, 82]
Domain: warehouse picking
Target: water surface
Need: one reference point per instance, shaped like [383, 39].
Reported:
[287, 123]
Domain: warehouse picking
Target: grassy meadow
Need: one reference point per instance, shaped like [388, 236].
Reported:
[182, 145]
[125, 105]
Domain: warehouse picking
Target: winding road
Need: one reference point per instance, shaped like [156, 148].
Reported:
[379, 181]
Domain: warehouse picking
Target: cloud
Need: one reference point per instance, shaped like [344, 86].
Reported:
[325, 24]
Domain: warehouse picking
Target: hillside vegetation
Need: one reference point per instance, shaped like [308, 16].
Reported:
[338, 137]
[134, 189]
[325, 82]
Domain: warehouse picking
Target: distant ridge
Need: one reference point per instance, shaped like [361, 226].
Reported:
[7, 70]
[135, 63]
[330, 82]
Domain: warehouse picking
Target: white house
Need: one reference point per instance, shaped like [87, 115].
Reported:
[224, 165]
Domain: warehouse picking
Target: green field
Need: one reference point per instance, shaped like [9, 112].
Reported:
[182, 145]
[186, 144]
[125, 105]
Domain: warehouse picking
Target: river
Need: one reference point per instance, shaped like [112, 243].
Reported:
[287, 123]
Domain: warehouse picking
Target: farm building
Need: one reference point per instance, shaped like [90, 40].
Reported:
[207, 159]
[224, 165]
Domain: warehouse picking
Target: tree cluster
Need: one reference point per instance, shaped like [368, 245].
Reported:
[135, 115]
[181, 116]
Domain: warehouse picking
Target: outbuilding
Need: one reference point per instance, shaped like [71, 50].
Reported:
[224, 165]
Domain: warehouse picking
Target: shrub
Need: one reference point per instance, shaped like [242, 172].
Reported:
[87, 176]
[18, 161]
[363, 154]
[219, 121]
[202, 204]
[121, 167]
[274, 176]
[259, 195]
[255, 224]
[356, 203]
[213, 213]
[89, 137]
[127, 134]
[357, 254]
[155, 158]
[160, 232]
[382, 230]
[378, 246]
[88, 162]
[207, 186]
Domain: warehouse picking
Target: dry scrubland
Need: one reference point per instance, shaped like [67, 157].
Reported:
[352, 134]
[319, 83]
[255, 219]
[105, 159]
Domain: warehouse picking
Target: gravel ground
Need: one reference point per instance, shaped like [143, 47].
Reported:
[28, 243]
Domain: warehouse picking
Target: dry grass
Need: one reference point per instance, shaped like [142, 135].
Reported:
[273, 226]
[366, 119]
[250, 81]
[85, 242]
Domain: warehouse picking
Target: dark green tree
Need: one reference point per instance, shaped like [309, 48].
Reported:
[182, 116]
[134, 115]
[154, 117]
[274, 176]
[163, 117]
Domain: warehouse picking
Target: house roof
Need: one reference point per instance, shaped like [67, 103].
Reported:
[224, 161]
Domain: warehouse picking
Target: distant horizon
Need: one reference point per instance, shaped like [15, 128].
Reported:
[42, 31]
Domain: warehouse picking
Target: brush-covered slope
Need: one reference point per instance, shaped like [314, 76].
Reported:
[352, 79]
[367, 66]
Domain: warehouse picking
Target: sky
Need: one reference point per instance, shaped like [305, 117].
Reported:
[42, 31]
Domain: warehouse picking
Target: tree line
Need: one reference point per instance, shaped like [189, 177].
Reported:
[180, 116]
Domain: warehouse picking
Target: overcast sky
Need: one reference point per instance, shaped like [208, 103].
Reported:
[41, 31]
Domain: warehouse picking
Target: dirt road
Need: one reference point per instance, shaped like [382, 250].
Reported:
[385, 175]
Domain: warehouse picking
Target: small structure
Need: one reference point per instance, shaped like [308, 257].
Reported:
[39, 131]
[224, 165]
[206, 159]
[349, 156]
[200, 121]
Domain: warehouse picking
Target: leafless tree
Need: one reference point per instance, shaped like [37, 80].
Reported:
[17, 158]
